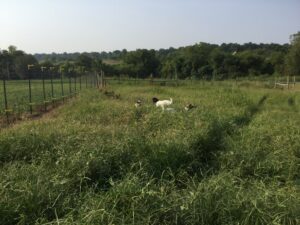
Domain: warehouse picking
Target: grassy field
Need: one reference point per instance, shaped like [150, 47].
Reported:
[235, 159]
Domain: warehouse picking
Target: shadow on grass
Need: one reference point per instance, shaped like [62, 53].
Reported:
[205, 149]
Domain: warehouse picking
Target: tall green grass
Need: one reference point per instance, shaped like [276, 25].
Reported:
[235, 159]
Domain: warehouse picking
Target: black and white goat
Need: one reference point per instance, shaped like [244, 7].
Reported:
[138, 103]
[188, 107]
[162, 103]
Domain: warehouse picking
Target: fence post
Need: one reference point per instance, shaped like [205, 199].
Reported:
[5, 94]
[136, 76]
[52, 89]
[70, 88]
[29, 88]
[75, 85]
[86, 80]
[104, 80]
[95, 79]
[80, 82]
[44, 91]
[62, 86]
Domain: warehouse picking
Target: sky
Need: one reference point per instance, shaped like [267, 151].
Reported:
[45, 26]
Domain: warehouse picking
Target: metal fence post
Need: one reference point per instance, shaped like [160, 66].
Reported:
[62, 86]
[5, 95]
[86, 80]
[70, 88]
[75, 84]
[29, 87]
[44, 91]
[80, 82]
[52, 89]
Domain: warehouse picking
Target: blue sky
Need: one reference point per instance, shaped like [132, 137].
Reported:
[37, 26]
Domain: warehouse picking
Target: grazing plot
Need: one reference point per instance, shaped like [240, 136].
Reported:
[18, 93]
[19, 97]
[233, 159]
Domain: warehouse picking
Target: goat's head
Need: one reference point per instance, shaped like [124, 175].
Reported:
[154, 100]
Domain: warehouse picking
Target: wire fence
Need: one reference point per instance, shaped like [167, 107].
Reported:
[31, 97]
[258, 81]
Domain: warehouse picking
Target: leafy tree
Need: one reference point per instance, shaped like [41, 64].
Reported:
[206, 72]
[97, 65]
[217, 58]
[142, 62]
[168, 69]
[293, 57]
[276, 59]
[85, 61]
[21, 66]
[197, 61]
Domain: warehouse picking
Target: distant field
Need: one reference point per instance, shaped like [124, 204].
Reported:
[235, 159]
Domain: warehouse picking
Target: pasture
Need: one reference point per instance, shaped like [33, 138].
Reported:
[17, 93]
[234, 159]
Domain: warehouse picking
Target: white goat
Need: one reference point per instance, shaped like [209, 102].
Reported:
[162, 103]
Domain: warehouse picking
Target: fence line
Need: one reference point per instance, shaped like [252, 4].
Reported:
[38, 99]
[288, 83]
[263, 81]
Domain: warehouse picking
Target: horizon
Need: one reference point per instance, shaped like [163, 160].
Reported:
[42, 27]
[153, 48]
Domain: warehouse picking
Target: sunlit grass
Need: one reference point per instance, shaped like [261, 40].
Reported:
[232, 160]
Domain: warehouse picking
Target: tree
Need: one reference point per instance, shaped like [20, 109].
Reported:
[277, 61]
[6, 60]
[217, 58]
[12, 49]
[85, 61]
[292, 60]
[21, 66]
[206, 72]
[142, 62]
[97, 65]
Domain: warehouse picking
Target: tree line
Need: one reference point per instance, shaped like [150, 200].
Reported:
[199, 61]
